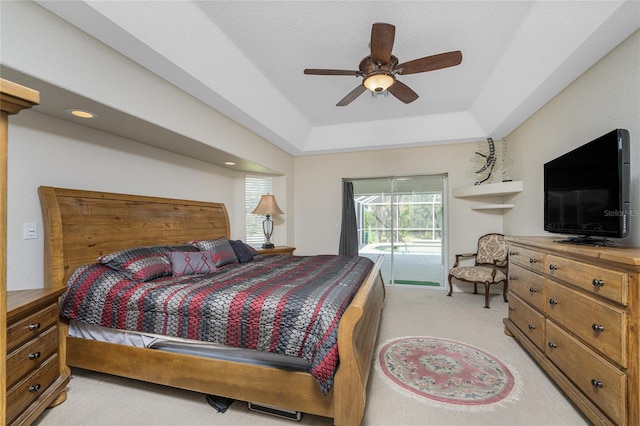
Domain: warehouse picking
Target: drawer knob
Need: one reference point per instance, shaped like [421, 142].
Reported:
[532, 327]
[513, 253]
[34, 326]
[512, 278]
[552, 345]
[553, 267]
[597, 327]
[553, 302]
[34, 388]
[596, 383]
[597, 283]
[511, 308]
[532, 260]
[533, 289]
[36, 355]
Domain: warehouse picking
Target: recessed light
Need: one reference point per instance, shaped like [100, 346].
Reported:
[81, 113]
[229, 163]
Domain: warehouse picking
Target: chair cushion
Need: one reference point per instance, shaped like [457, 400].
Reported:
[492, 247]
[477, 273]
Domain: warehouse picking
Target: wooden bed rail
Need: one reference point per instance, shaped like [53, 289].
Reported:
[357, 336]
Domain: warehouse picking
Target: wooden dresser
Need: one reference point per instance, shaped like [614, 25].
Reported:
[34, 379]
[15, 405]
[575, 309]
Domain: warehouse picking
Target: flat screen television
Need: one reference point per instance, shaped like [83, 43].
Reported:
[586, 191]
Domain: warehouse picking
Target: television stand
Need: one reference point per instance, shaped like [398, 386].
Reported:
[588, 241]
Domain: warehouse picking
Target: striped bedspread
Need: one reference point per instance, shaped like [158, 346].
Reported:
[285, 304]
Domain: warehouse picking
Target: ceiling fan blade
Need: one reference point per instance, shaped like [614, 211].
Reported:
[403, 92]
[382, 36]
[317, 71]
[352, 96]
[431, 63]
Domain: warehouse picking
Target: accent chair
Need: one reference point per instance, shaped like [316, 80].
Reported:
[491, 266]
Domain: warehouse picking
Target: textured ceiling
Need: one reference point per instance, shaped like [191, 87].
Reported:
[246, 59]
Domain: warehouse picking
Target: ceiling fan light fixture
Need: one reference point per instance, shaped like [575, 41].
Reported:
[379, 81]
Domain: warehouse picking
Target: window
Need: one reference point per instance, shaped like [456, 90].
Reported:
[403, 219]
[254, 187]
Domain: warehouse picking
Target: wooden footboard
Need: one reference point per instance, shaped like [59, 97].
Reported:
[81, 225]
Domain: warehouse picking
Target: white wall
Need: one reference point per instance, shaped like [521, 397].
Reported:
[318, 193]
[52, 152]
[605, 97]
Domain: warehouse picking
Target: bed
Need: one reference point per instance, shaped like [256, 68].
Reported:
[81, 226]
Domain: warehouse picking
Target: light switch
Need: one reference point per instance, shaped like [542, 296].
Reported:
[30, 231]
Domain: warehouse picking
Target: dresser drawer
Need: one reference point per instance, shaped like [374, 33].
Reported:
[528, 320]
[29, 356]
[600, 325]
[603, 383]
[27, 328]
[526, 257]
[528, 286]
[603, 282]
[27, 390]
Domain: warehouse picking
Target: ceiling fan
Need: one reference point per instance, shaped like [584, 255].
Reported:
[381, 68]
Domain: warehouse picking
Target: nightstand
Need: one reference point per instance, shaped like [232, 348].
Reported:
[278, 250]
[34, 379]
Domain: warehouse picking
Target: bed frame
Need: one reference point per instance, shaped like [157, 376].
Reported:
[80, 226]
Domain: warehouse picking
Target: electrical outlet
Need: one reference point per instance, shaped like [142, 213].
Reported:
[30, 231]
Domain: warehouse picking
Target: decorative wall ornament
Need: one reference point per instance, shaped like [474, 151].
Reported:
[488, 162]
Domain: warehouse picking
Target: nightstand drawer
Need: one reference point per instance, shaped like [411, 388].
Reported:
[29, 356]
[31, 326]
[528, 285]
[31, 387]
[603, 282]
[528, 320]
[600, 325]
[604, 384]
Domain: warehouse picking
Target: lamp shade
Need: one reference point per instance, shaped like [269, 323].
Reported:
[379, 81]
[267, 206]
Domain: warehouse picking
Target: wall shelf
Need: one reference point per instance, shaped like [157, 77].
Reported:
[500, 189]
[493, 206]
[490, 189]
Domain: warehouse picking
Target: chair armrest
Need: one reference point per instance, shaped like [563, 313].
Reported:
[463, 256]
[496, 267]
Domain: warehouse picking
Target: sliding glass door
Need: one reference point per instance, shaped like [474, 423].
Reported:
[402, 218]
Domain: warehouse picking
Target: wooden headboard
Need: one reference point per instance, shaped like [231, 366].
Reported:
[80, 226]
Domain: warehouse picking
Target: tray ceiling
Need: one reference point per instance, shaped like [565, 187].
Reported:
[246, 60]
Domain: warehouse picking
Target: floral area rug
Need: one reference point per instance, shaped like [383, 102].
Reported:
[447, 373]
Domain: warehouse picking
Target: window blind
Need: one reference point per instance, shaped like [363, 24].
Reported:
[255, 186]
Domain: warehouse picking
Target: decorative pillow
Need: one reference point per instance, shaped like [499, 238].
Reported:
[191, 263]
[251, 249]
[221, 251]
[243, 252]
[142, 263]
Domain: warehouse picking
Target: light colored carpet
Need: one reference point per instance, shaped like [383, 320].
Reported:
[98, 399]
